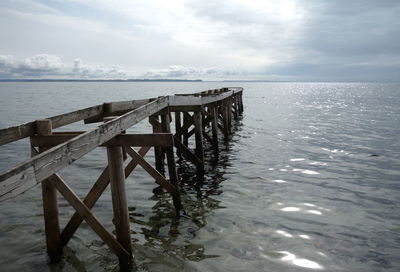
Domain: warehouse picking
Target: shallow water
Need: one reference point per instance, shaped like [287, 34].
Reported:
[310, 180]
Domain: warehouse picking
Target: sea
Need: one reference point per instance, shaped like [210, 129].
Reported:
[309, 180]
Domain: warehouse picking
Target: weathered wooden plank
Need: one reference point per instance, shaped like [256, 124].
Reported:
[215, 98]
[185, 108]
[11, 134]
[120, 106]
[150, 139]
[54, 159]
[75, 116]
[184, 101]
[19, 183]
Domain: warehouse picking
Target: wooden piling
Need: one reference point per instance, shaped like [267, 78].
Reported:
[178, 126]
[120, 206]
[50, 204]
[158, 151]
[187, 119]
[173, 175]
[225, 118]
[214, 126]
[229, 113]
[198, 130]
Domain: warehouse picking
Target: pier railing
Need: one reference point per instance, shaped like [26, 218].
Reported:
[200, 114]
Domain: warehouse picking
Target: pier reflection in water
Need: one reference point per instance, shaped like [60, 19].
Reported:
[162, 241]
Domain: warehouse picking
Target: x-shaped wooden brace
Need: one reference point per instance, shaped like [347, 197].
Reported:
[83, 207]
[185, 151]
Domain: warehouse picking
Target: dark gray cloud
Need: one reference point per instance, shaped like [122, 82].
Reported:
[330, 40]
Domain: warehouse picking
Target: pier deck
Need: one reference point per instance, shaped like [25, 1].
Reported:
[199, 114]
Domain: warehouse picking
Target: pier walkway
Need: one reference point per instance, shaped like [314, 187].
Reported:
[201, 115]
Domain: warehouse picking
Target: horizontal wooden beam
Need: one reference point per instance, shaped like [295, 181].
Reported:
[11, 134]
[192, 108]
[117, 109]
[19, 178]
[152, 139]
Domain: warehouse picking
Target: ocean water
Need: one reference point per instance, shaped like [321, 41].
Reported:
[309, 181]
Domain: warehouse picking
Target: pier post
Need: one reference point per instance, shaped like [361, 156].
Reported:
[158, 151]
[229, 112]
[173, 175]
[120, 206]
[214, 126]
[224, 110]
[50, 204]
[185, 135]
[235, 107]
[241, 102]
[178, 126]
[198, 130]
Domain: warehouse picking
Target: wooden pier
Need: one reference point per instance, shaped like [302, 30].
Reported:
[201, 115]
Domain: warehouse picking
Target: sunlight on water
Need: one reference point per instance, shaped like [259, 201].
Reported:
[292, 258]
[305, 171]
[290, 209]
[297, 159]
[279, 180]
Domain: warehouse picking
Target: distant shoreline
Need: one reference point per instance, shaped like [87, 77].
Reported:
[100, 80]
[181, 80]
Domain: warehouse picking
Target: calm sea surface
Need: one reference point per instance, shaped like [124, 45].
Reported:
[310, 180]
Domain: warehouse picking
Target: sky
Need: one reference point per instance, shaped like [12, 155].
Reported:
[293, 40]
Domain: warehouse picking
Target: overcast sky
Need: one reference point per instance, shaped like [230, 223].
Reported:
[306, 40]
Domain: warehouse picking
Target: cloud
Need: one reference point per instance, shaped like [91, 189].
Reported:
[260, 39]
[54, 66]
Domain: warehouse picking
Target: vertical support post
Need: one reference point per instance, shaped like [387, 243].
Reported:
[178, 126]
[214, 126]
[158, 152]
[198, 131]
[241, 102]
[235, 107]
[120, 206]
[225, 117]
[185, 133]
[229, 112]
[50, 205]
[173, 175]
